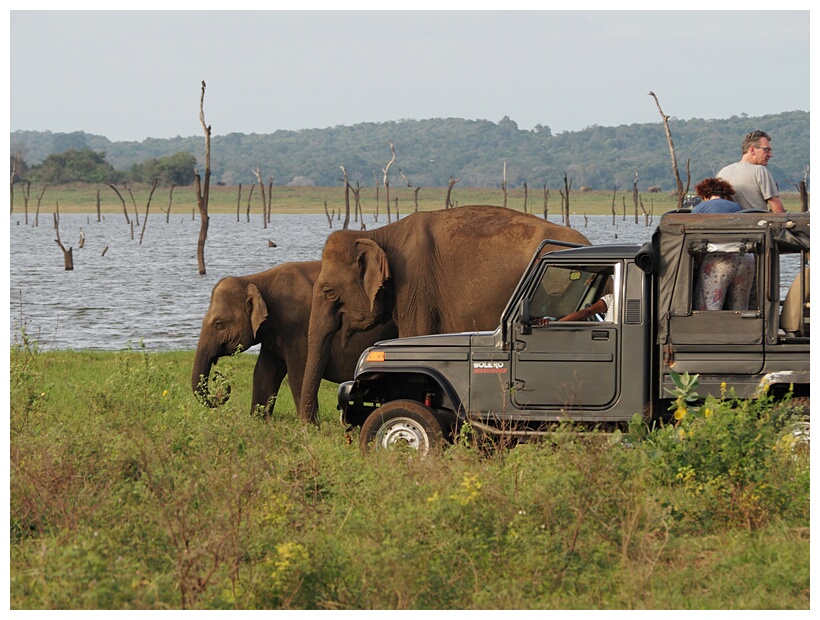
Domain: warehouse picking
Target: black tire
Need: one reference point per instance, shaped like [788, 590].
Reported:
[799, 406]
[402, 423]
[799, 428]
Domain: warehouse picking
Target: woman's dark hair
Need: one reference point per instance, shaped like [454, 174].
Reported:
[714, 187]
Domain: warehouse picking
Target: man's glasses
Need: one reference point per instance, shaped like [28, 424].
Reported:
[767, 149]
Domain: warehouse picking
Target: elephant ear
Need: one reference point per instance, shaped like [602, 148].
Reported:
[375, 270]
[257, 308]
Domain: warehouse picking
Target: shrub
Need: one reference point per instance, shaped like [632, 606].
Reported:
[739, 463]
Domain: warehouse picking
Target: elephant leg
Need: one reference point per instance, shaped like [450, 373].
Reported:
[295, 382]
[267, 378]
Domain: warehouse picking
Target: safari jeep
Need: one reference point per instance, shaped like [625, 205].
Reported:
[533, 370]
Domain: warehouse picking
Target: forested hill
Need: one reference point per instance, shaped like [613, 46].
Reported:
[431, 152]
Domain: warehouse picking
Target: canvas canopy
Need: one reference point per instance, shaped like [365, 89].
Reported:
[680, 235]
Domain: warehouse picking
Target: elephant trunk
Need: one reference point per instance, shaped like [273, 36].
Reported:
[320, 342]
[203, 362]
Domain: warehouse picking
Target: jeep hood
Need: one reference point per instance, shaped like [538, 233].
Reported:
[462, 339]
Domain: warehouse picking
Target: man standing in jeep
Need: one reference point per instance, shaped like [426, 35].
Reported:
[753, 183]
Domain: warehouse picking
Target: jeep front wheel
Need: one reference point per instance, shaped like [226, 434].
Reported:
[402, 424]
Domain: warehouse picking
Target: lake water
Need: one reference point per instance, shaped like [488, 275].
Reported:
[151, 294]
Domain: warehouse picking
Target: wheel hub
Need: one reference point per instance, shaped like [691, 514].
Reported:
[403, 432]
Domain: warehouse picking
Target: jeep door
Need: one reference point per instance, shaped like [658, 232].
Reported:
[568, 364]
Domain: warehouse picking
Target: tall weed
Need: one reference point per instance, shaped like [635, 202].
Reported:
[127, 493]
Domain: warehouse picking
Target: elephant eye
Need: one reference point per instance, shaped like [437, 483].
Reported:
[330, 295]
[219, 325]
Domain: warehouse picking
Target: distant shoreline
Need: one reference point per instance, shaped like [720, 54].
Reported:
[82, 198]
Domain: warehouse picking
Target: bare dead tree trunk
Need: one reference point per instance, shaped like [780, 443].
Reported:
[82, 238]
[635, 195]
[134, 202]
[147, 206]
[546, 201]
[644, 211]
[39, 200]
[98, 205]
[357, 207]
[504, 185]
[170, 202]
[386, 172]
[248, 209]
[376, 181]
[14, 162]
[329, 218]
[448, 203]
[238, 199]
[202, 190]
[678, 182]
[122, 200]
[346, 223]
[270, 196]
[614, 189]
[804, 192]
[396, 203]
[526, 192]
[406, 180]
[567, 188]
[68, 255]
[258, 174]
[415, 191]
[26, 195]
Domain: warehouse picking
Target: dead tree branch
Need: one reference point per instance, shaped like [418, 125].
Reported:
[504, 184]
[448, 203]
[68, 255]
[39, 200]
[147, 206]
[678, 183]
[122, 200]
[134, 202]
[202, 190]
[258, 174]
[346, 224]
[238, 200]
[386, 172]
[546, 201]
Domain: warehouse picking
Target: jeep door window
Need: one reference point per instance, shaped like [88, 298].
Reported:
[565, 291]
[726, 276]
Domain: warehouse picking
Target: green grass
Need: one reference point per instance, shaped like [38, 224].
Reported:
[82, 198]
[126, 493]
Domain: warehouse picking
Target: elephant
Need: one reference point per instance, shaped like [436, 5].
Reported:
[272, 308]
[432, 272]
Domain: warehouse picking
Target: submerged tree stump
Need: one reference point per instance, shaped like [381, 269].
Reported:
[68, 255]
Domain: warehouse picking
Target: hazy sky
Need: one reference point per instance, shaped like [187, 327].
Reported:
[133, 75]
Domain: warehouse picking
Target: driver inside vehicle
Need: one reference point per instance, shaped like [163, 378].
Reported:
[602, 309]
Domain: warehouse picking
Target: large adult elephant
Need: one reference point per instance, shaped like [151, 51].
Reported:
[432, 272]
[272, 308]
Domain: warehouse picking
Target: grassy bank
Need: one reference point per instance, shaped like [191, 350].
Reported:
[82, 198]
[126, 493]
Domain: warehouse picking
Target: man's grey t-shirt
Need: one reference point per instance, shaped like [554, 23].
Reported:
[753, 184]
